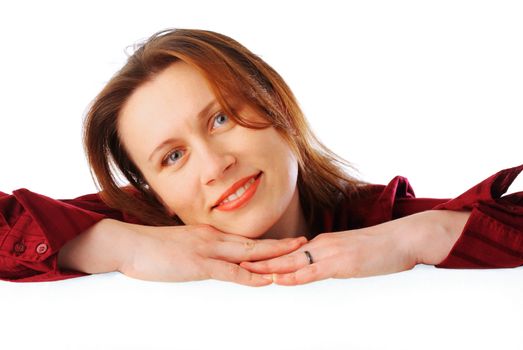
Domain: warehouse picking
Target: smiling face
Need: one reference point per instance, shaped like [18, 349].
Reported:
[191, 154]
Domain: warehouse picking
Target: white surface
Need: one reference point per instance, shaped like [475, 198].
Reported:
[425, 308]
[428, 90]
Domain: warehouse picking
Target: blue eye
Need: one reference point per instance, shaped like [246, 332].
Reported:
[220, 119]
[173, 157]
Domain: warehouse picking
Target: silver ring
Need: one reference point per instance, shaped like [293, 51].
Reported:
[309, 257]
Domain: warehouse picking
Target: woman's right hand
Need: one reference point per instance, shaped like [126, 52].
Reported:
[173, 253]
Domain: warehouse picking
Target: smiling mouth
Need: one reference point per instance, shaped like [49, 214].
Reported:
[241, 196]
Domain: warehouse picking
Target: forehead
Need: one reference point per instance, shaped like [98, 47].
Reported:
[172, 99]
[177, 90]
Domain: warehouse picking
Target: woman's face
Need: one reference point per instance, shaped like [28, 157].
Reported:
[191, 154]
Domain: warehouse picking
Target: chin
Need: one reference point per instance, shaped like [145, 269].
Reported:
[246, 233]
[249, 230]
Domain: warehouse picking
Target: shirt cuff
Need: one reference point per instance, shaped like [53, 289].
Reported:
[486, 243]
[493, 234]
[37, 228]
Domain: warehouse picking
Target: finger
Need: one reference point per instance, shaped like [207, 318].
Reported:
[230, 272]
[310, 273]
[283, 264]
[232, 237]
[250, 249]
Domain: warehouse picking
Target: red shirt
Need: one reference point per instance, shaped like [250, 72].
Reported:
[34, 227]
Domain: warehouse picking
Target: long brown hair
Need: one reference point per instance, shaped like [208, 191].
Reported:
[231, 70]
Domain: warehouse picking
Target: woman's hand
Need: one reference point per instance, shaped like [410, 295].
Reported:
[187, 253]
[177, 253]
[393, 246]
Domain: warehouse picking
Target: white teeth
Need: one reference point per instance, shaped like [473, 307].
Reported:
[239, 192]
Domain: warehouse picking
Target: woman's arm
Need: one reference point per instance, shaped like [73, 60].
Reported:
[99, 249]
[478, 229]
[176, 253]
[43, 239]
[441, 229]
[390, 247]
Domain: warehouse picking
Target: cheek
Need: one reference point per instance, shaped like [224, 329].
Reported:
[178, 200]
[280, 155]
[280, 164]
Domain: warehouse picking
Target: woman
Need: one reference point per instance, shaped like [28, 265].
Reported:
[228, 182]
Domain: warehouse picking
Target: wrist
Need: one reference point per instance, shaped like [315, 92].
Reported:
[115, 237]
[441, 230]
[99, 249]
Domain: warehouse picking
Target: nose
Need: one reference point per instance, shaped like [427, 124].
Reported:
[214, 163]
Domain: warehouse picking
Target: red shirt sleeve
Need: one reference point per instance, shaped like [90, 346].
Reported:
[34, 227]
[375, 205]
[491, 238]
[493, 234]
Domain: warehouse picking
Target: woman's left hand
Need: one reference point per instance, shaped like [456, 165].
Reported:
[393, 246]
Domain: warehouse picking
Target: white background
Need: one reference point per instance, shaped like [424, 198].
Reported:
[430, 90]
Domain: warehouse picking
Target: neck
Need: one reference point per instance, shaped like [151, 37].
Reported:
[292, 222]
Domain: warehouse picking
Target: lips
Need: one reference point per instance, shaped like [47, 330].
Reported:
[235, 187]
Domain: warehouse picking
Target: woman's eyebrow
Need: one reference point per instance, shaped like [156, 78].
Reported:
[205, 110]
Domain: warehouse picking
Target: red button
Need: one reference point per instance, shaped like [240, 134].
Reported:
[41, 248]
[19, 248]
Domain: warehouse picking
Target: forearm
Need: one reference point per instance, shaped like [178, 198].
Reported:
[99, 249]
[440, 231]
